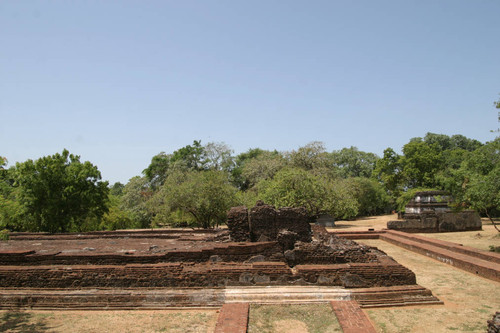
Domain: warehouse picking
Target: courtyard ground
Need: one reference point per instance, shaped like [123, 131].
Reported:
[469, 301]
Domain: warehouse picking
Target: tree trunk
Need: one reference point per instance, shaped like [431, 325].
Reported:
[492, 222]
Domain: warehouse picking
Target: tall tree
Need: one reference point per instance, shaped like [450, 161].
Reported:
[479, 179]
[61, 193]
[239, 163]
[421, 162]
[206, 196]
[136, 195]
[352, 162]
[218, 156]
[296, 187]
[388, 170]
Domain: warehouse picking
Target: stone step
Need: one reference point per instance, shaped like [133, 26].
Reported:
[163, 298]
[459, 248]
[285, 294]
[485, 268]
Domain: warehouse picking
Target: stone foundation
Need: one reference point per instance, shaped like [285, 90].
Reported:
[431, 221]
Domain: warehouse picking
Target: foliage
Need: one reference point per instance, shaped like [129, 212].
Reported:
[4, 235]
[262, 167]
[117, 189]
[206, 196]
[12, 213]
[294, 187]
[352, 162]
[3, 162]
[495, 248]
[190, 157]
[371, 196]
[341, 200]
[196, 184]
[239, 163]
[212, 156]
[388, 171]
[157, 171]
[136, 195]
[117, 218]
[421, 161]
[218, 156]
[479, 177]
[311, 156]
[59, 193]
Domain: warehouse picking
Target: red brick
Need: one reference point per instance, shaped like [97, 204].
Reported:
[233, 318]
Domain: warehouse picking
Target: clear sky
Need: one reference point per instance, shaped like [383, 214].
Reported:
[120, 81]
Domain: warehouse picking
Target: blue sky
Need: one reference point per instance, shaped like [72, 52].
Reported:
[120, 81]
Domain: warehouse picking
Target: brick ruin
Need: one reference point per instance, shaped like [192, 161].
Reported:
[429, 211]
[262, 247]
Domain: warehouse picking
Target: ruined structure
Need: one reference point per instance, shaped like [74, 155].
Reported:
[429, 211]
[494, 324]
[265, 223]
[263, 247]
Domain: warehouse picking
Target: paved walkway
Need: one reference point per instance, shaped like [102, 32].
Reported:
[233, 318]
[351, 318]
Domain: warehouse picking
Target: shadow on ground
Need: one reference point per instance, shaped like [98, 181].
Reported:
[18, 321]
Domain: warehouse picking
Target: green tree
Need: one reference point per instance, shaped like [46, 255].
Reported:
[239, 163]
[263, 167]
[352, 162]
[309, 157]
[117, 189]
[341, 199]
[136, 194]
[117, 217]
[205, 196]
[421, 162]
[218, 156]
[190, 157]
[295, 187]
[477, 182]
[371, 196]
[389, 172]
[59, 193]
[157, 170]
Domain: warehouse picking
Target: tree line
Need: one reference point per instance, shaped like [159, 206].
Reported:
[196, 184]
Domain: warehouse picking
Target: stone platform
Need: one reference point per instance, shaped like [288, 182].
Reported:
[181, 268]
[164, 298]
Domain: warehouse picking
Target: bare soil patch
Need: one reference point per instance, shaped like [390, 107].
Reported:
[193, 321]
[469, 299]
[480, 239]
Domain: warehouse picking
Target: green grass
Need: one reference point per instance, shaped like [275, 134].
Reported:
[316, 318]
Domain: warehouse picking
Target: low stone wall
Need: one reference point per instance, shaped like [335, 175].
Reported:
[237, 252]
[161, 298]
[204, 275]
[438, 222]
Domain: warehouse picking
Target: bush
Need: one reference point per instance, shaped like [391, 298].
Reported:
[4, 234]
[495, 248]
